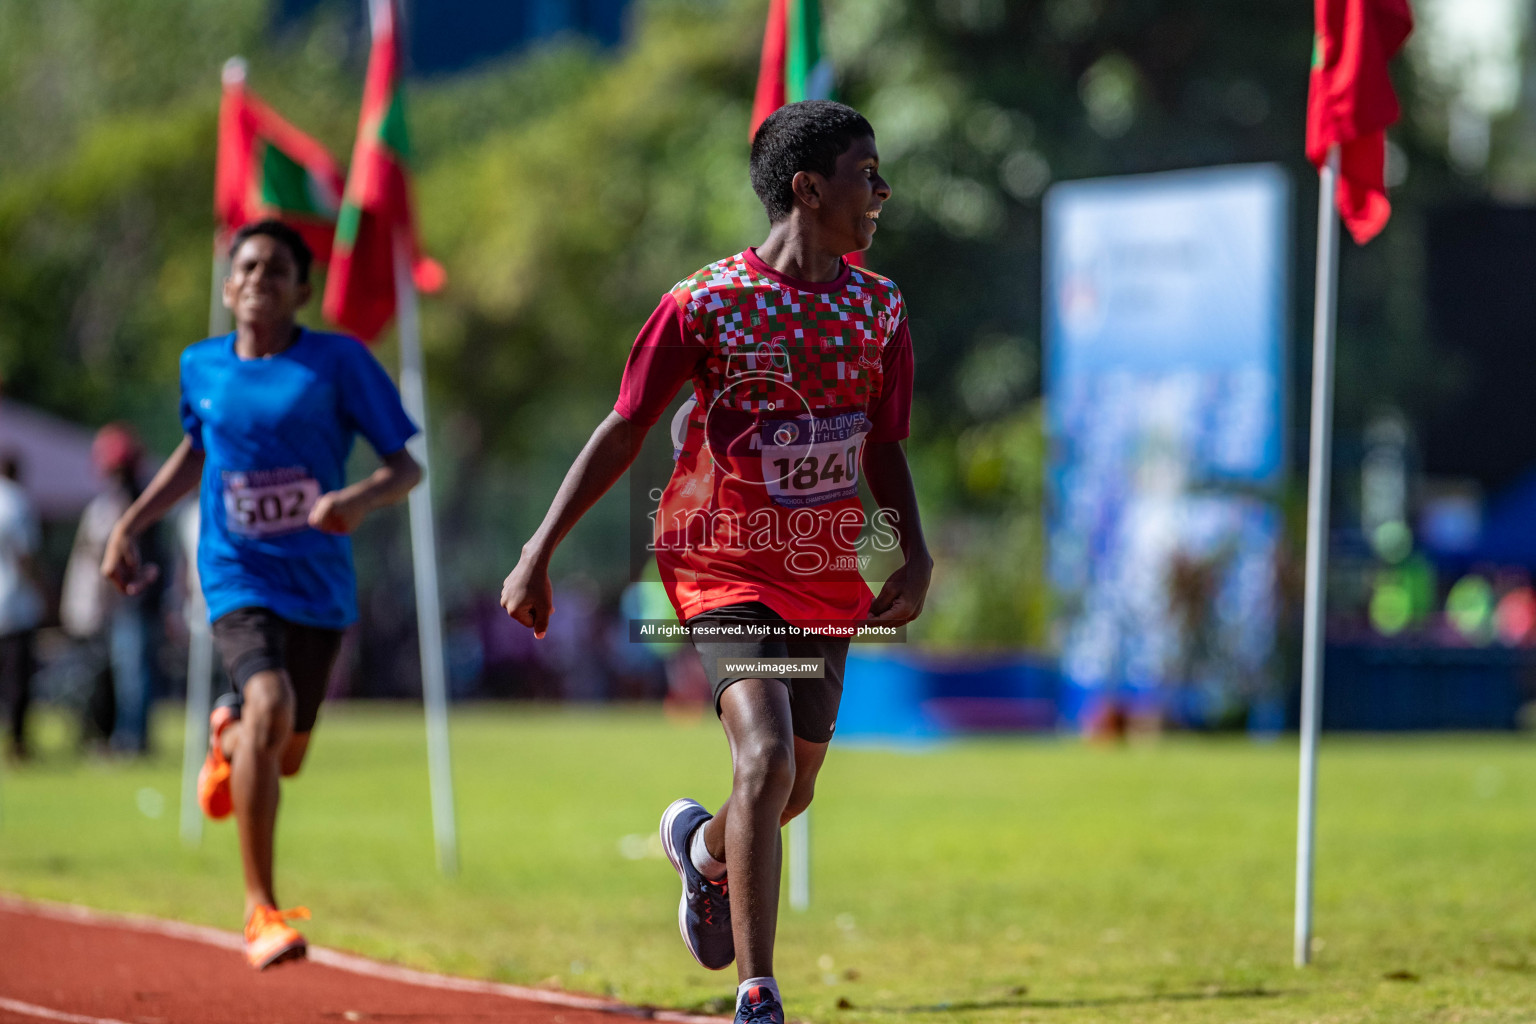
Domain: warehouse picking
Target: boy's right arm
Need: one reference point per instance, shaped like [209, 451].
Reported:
[526, 594]
[664, 355]
[176, 479]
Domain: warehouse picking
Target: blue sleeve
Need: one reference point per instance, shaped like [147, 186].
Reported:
[190, 421]
[370, 404]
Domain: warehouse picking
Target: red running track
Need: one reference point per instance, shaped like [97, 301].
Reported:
[71, 965]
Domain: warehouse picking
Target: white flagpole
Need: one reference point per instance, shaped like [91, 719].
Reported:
[199, 638]
[199, 700]
[1318, 473]
[800, 861]
[429, 616]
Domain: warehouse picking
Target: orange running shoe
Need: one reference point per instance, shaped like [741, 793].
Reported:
[213, 794]
[269, 940]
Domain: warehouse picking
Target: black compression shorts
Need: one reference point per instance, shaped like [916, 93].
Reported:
[813, 703]
[252, 640]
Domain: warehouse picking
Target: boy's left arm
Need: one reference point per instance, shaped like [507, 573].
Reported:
[341, 511]
[890, 481]
[371, 406]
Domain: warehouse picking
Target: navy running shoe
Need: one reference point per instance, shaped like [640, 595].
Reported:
[759, 1006]
[704, 912]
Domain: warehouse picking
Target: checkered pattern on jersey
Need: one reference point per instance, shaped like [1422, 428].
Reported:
[774, 348]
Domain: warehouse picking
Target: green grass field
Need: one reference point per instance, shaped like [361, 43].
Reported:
[986, 881]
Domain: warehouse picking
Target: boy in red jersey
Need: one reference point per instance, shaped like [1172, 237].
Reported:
[801, 368]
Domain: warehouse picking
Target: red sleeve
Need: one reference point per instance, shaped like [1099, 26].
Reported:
[662, 359]
[892, 412]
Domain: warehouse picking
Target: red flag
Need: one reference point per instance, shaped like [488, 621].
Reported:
[376, 208]
[793, 67]
[1351, 102]
[771, 85]
[267, 168]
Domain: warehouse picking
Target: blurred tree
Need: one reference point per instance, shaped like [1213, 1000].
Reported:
[565, 191]
[106, 182]
[981, 104]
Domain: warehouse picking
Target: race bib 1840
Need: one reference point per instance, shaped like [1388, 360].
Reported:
[811, 461]
[267, 502]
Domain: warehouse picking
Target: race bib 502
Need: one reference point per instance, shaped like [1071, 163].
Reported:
[267, 502]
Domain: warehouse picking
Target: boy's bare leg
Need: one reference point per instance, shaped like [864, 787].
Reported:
[266, 725]
[293, 754]
[807, 765]
[756, 717]
[808, 761]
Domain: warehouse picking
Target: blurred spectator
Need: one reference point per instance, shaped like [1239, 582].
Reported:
[119, 629]
[671, 670]
[573, 647]
[511, 662]
[21, 600]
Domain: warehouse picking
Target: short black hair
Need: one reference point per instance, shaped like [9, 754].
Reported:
[805, 136]
[299, 249]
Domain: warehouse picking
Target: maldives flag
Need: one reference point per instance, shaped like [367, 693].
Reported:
[376, 207]
[267, 168]
[1351, 102]
[793, 67]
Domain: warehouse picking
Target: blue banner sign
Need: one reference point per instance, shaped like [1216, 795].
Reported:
[1165, 324]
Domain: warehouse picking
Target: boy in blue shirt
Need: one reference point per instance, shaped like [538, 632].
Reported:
[270, 412]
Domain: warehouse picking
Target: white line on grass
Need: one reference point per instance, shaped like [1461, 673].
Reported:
[351, 963]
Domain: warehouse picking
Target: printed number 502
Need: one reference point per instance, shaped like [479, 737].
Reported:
[252, 509]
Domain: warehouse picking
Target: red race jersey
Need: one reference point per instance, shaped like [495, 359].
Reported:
[790, 379]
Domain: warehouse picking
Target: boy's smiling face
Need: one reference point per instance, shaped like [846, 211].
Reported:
[846, 205]
[263, 284]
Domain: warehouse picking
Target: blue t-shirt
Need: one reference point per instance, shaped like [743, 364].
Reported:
[276, 433]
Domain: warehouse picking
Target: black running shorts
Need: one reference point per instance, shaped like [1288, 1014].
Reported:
[252, 640]
[813, 703]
